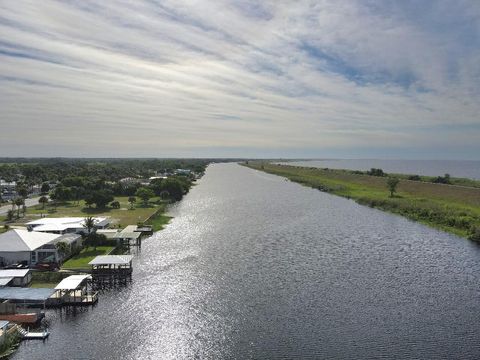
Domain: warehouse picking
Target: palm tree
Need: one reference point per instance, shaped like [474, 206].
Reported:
[89, 223]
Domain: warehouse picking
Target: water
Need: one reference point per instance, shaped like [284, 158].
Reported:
[253, 266]
[457, 168]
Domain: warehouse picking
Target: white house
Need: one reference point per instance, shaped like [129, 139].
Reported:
[31, 247]
[66, 225]
[23, 246]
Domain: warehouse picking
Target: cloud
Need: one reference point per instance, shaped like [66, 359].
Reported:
[162, 78]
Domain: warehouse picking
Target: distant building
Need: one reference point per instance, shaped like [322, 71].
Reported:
[66, 225]
[130, 180]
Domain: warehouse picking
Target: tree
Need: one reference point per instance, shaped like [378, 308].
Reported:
[61, 193]
[43, 200]
[99, 197]
[62, 248]
[376, 172]
[145, 194]
[175, 188]
[45, 188]
[132, 200]
[19, 202]
[392, 183]
[89, 223]
[10, 215]
[94, 239]
[22, 191]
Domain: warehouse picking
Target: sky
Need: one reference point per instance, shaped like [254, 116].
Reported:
[244, 78]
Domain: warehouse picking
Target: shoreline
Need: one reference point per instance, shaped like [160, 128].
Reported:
[450, 208]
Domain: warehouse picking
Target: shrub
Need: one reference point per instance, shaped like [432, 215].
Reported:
[475, 234]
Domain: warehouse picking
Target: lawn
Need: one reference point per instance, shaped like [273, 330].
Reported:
[455, 209]
[121, 217]
[81, 260]
[158, 220]
[43, 285]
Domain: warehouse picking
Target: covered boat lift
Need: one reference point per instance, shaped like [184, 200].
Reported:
[17, 304]
[112, 266]
[75, 290]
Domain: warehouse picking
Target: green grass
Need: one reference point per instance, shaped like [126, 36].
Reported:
[158, 220]
[122, 217]
[451, 208]
[43, 284]
[81, 260]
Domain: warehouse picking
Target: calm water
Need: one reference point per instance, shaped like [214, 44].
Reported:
[257, 267]
[456, 168]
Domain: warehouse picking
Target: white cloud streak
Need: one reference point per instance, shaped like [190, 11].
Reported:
[185, 78]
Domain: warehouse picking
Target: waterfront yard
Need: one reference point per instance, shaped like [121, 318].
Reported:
[87, 254]
[121, 217]
[455, 209]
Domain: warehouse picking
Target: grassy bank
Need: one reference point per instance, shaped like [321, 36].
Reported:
[87, 254]
[451, 208]
[158, 220]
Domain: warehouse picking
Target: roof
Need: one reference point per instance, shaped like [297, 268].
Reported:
[67, 238]
[130, 228]
[109, 233]
[13, 273]
[24, 240]
[5, 280]
[72, 282]
[111, 260]
[26, 294]
[127, 235]
[64, 223]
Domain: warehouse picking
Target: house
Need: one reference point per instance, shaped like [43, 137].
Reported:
[31, 247]
[48, 253]
[66, 225]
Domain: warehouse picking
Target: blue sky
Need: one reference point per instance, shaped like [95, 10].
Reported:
[333, 78]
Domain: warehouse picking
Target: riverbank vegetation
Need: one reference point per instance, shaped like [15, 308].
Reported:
[451, 208]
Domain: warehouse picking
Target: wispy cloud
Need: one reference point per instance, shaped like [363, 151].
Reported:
[193, 78]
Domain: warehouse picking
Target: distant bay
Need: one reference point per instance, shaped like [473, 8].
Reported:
[456, 168]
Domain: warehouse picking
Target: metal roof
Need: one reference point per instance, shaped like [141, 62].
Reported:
[72, 282]
[24, 240]
[127, 235]
[25, 294]
[5, 280]
[13, 273]
[111, 260]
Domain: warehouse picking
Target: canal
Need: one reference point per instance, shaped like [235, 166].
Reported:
[254, 266]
